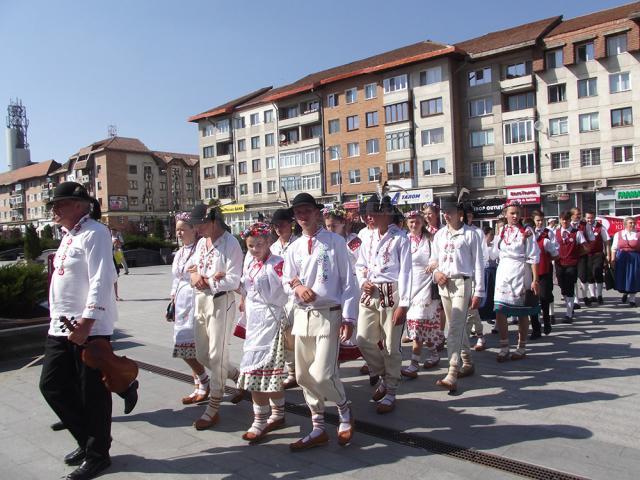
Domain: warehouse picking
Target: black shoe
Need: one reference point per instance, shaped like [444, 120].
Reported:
[600, 300]
[56, 427]
[373, 380]
[593, 300]
[586, 301]
[632, 304]
[89, 469]
[553, 319]
[491, 321]
[515, 321]
[76, 457]
[547, 327]
[130, 397]
[576, 306]
[567, 319]
[624, 298]
[535, 335]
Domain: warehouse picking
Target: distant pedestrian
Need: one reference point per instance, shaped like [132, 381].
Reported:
[118, 253]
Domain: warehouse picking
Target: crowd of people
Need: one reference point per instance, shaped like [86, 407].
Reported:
[314, 290]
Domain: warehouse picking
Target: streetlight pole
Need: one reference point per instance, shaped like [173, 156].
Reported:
[336, 149]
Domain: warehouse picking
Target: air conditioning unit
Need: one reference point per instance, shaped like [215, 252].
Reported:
[502, 192]
[84, 179]
[601, 183]
[562, 187]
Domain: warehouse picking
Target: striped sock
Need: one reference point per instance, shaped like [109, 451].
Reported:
[344, 413]
[317, 420]
[203, 384]
[260, 417]
[212, 408]
[277, 409]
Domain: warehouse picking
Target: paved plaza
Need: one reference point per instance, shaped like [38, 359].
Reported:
[571, 406]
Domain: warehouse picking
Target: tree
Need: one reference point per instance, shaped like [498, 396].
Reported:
[32, 248]
[47, 233]
[158, 229]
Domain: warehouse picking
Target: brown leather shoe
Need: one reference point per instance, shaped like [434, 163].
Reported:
[379, 394]
[254, 438]
[431, 363]
[466, 370]
[405, 372]
[518, 355]
[290, 382]
[277, 425]
[364, 369]
[383, 408]
[203, 423]
[444, 383]
[190, 400]
[345, 436]
[238, 397]
[301, 445]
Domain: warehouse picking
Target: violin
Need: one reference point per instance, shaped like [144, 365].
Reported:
[117, 372]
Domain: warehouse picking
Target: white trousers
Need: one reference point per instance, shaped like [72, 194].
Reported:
[455, 302]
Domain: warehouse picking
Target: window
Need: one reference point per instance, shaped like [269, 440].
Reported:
[554, 58]
[589, 122]
[269, 140]
[255, 143]
[521, 164]
[616, 44]
[238, 123]
[310, 182]
[255, 165]
[429, 107]
[559, 160]
[332, 100]
[481, 137]
[334, 126]
[430, 76]
[254, 118]
[398, 141]
[619, 82]
[242, 168]
[354, 176]
[334, 152]
[99, 185]
[300, 158]
[370, 91]
[271, 163]
[590, 157]
[373, 146]
[353, 123]
[133, 169]
[351, 95]
[433, 167]
[336, 178]
[244, 189]
[374, 174]
[584, 52]
[311, 106]
[398, 112]
[242, 145]
[623, 154]
[209, 193]
[188, 173]
[289, 112]
[480, 77]
[480, 107]
[516, 70]
[520, 131]
[133, 184]
[207, 152]
[432, 136]
[271, 186]
[520, 101]
[621, 117]
[209, 172]
[558, 126]
[395, 84]
[222, 126]
[483, 169]
[587, 87]
[558, 93]
[353, 149]
[257, 187]
[399, 170]
[163, 186]
[268, 116]
[209, 130]
[372, 119]
[188, 187]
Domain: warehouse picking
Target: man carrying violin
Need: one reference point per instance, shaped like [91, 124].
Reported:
[82, 290]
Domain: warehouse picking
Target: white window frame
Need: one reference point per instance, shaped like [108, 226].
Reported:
[485, 102]
[275, 186]
[368, 88]
[562, 124]
[441, 164]
[427, 136]
[335, 178]
[589, 52]
[556, 54]
[376, 171]
[353, 149]
[485, 74]
[431, 75]
[622, 79]
[490, 165]
[593, 120]
[333, 121]
[353, 92]
[616, 44]
[624, 158]
[209, 130]
[269, 114]
[512, 131]
[590, 162]
[591, 88]
[519, 159]
[354, 176]
[561, 92]
[254, 119]
[334, 152]
[395, 84]
[271, 162]
[488, 138]
[373, 142]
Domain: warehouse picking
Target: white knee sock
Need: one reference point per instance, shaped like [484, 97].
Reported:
[277, 409]
[260, 416]
[632, 298]
[599, 289]
[592, 290]
[569, 302]
[552, 309]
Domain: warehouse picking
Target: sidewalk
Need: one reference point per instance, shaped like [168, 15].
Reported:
[571, 406]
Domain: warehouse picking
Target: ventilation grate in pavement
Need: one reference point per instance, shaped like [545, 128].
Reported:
[515, 467]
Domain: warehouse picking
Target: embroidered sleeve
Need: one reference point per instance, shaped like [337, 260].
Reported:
[101, 274]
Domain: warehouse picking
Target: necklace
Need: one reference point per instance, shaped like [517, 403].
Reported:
[68, 242]
[417, 240]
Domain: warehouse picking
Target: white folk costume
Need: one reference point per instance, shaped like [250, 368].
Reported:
[385, 261]
[626, 249]
[474, 323]
[518, 251]
[458, 255]
[262, 365]
[320, 262]
[349, 349]
[184, 340]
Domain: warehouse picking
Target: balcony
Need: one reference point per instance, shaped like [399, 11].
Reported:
[225, 180]
[396, 97]
[310, 116]
[515, 84]
[224, 158]
[16, 199]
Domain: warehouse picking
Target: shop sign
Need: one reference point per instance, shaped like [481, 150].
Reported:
[489, 208]
[118, 202]
[627, 195]
[424, 195]
[526, 194]
[352, 205]
[616, 224]
[236, 208]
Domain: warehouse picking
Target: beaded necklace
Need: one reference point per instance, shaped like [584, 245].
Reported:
[68, 242]
[417, 240]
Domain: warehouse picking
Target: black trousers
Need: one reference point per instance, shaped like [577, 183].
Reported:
[567, 277]
[595, 268]
[77, 395]
[545, 282]
[583, 268]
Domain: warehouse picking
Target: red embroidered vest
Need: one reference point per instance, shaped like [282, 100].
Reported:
[569, 249]
[597, 246]
[544, 266]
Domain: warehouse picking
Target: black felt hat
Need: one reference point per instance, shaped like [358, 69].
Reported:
[282, 215]
[69, 191]
[305, 199]
[376, 205]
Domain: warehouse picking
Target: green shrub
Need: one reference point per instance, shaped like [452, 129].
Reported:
[10, 243]
[32, 248]
[47, 233]
[158, 229]
[152, 243]
[49, 243]
[22, 286]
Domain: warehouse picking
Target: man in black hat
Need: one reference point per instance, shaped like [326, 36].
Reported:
[82, 291]
[318, 275]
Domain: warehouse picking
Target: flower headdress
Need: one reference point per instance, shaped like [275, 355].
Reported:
[335, 211]
[259, 229]
[183, 217]
[413, 214]
[433, 205]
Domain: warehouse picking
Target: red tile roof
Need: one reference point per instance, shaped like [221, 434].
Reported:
[188, 158]
[509, 39]
[603, 16]
[229, 106]
[34, 170]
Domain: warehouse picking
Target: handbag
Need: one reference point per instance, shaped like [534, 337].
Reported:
[531, 299]
[435, 290]
[170, 315]
[609, 281]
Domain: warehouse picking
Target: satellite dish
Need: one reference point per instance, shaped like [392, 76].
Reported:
[283, 137]
[538, 126]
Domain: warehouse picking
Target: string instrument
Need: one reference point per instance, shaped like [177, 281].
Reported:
[117, 372]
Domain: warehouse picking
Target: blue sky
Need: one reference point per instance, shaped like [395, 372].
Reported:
[146, 65]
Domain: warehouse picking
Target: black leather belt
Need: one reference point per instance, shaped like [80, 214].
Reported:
[335, 309]
[219, 294]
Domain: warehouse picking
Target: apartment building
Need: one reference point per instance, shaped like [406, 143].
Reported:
[24, 193]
